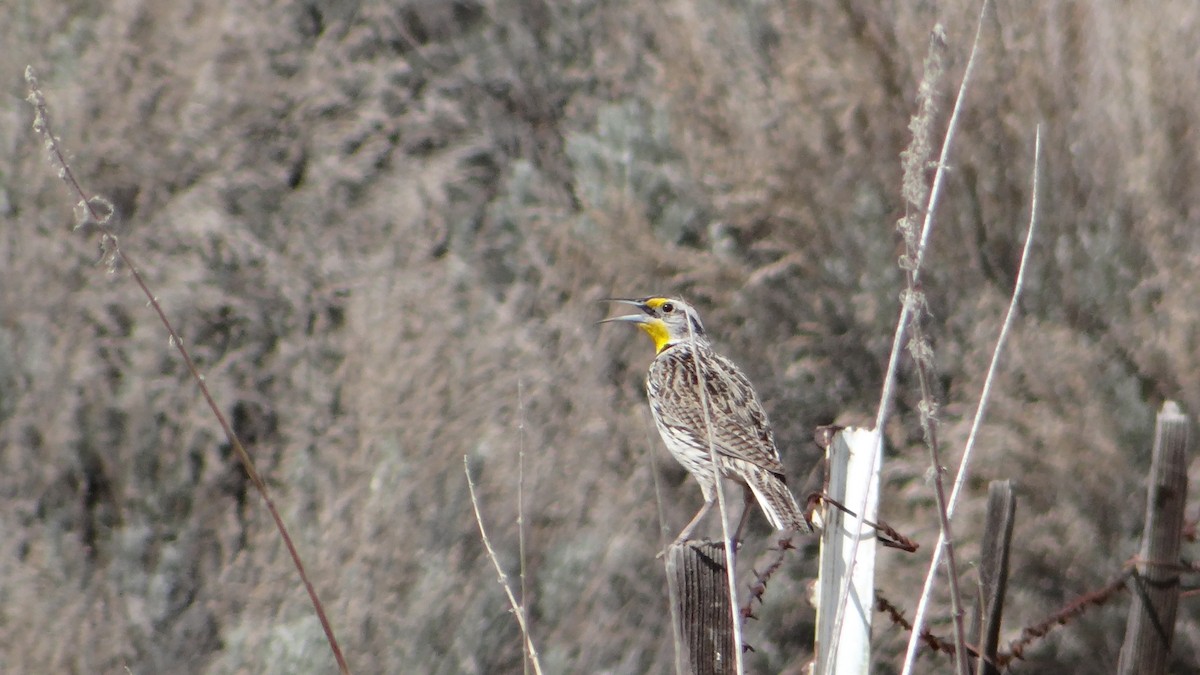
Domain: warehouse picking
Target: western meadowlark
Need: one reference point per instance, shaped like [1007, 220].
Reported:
[741, 437]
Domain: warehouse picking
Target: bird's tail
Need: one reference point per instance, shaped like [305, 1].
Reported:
[777, 502]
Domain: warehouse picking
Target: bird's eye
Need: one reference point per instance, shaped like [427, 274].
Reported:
[668, 308]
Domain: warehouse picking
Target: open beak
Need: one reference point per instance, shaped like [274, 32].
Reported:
[631, 318]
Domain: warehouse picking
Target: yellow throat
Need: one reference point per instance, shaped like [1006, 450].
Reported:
[657, 330]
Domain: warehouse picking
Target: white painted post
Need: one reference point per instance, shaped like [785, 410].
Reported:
[844, 619]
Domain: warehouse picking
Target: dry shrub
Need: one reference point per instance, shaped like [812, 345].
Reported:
[383, 228]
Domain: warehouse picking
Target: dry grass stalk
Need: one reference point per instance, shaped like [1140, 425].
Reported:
[964, 465]
[912, 261]
[521, 501]
[517, 609]
[722, 504]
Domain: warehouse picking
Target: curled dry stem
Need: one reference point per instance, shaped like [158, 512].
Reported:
[97, 212]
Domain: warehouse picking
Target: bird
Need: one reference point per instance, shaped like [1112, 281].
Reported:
[741, 438]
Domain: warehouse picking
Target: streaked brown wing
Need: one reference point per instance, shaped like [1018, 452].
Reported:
[740, 426]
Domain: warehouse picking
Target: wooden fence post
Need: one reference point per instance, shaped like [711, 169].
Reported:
[702, 621]
[993, 573]
[1150, 630]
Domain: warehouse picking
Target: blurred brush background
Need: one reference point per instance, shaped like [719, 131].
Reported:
[382, 228]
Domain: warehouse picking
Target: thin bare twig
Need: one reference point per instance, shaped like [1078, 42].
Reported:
[1010, 315]
[664, 531]
[964, 466]
[521, 499]
[993, 367]
[97, 212]
[517, 609]
[730, 546]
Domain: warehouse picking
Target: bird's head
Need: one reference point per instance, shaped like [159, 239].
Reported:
[667, 321]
